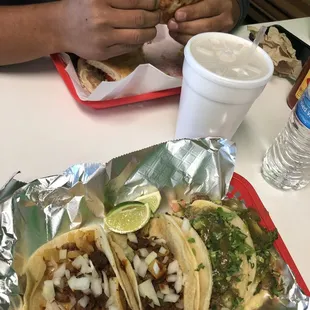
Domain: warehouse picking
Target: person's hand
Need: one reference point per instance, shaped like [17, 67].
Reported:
[101, 29]
[204, 16]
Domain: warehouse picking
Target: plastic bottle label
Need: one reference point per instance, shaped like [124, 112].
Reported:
[303, 108]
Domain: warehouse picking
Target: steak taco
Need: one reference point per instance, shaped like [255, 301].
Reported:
[77, 270]
[163, 269]
[231, 250]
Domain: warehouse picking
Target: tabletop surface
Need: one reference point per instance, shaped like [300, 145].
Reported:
[43, 131]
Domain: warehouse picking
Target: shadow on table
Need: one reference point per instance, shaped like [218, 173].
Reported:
[41, 65]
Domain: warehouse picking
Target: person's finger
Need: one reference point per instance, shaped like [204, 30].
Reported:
[134, 19]
[198, 10]
[181, 38]
[133, 36]
[197, 26]
[149, 5]
[119, 49]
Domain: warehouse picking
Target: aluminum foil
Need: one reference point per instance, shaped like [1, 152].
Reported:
[34, 213]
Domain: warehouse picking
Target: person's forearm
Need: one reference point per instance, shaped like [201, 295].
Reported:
[30, 31]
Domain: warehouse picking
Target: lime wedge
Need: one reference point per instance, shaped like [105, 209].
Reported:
[128, 217]
[153, 200]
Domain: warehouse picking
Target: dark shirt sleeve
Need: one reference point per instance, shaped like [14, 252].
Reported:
[244, 7]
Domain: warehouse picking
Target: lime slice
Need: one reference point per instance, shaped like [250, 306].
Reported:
[153, 200]
[128, 217]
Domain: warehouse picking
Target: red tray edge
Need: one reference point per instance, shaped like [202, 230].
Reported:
[104, 104]
[268, 223]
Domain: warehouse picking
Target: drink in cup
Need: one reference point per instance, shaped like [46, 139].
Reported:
[222, 77]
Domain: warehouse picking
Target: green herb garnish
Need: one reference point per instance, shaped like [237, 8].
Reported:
[200, 266]
[191, 240]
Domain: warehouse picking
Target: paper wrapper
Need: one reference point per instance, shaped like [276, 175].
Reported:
[281, 51]
[34, 213]
[163, 71]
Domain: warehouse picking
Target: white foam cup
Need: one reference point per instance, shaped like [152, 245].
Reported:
[213, 101]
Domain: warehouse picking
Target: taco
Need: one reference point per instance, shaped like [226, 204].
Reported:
[163, 269]
[231, 250]
[77, 270]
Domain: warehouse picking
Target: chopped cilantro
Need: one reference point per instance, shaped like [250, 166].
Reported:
[200, 266]
[191, 240]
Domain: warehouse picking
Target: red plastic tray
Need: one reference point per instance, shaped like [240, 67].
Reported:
[104, 104]
[241, 189]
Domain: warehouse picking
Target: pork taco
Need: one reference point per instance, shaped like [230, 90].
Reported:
[77, 270]
[231, 250]
[163, 269]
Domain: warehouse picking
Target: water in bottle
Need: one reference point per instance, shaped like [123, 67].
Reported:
[287, 162]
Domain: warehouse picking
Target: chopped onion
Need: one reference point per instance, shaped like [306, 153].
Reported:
[96, 287]
[60, 272]
[144, 252]
[180, 304]
[105, 284]
[164, 289]
[165, 260]
[160, 295]
[59, 282]
[94, 272]
[179, 282]
[62, 254]
[173, 267]
[48, 290]
[160, 241]
[146, 289]
[171, 298]
[85, 256]
[81, 262]
[153, 243]
[162, 250]
[136, 263]
[87, 292]
[83, 302]
[78, 262]
[186, 225]
[132, 238]
[151, 305]
[67, 274]
[172, 278]
[150, 257]
[142, 269]
[79, 283]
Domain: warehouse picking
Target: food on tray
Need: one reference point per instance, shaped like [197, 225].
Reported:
[162, 266]
[169, 7]
[91, 72]
[77, 270]
[244, 262]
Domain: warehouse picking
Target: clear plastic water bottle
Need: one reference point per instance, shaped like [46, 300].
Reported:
[287, 162]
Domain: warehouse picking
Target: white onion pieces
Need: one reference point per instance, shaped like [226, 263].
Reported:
[83, 302]
[162, 250]
[160, 295]
[165, 260]
[48, 290]
[82, 263]
[171, 298]
[60, 272]
[173, 267]
[62, 254]
[142, 269]
[180, 304]
[164, 289]
[146, 289]
[132, 238]
[172, 278]
[156, 268]
[67, 274]
[179, 282]
[136, 263]
[79, 283]
[186, 225]
[144, 252]
[150, 257]
[96, 287]
[160, 241]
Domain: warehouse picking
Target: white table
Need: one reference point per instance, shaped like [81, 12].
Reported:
[43, 131]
